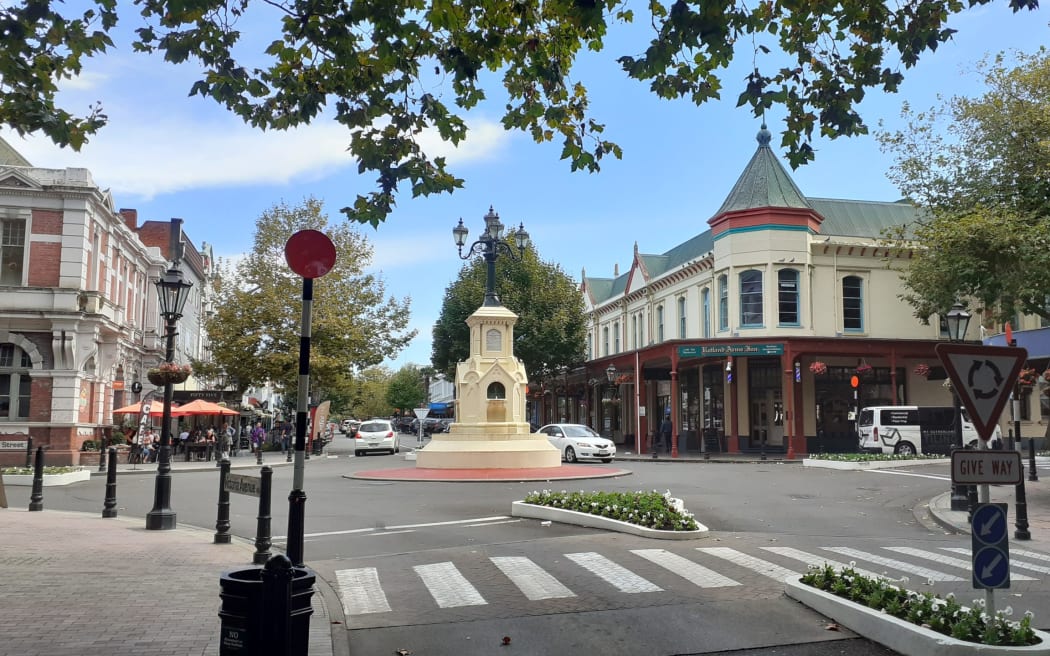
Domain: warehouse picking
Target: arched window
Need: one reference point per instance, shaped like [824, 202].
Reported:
[751, 298]
[634, 331]
[15, 384]
[659, 323]
[616, 337]
[787, 297]
[852, 304]
[723, 302]
[496, 391]
[681, 317]
[705, 303]
[605, 340]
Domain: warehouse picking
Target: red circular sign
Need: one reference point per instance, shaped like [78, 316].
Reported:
[310, 253]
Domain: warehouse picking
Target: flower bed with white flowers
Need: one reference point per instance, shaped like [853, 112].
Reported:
[649, 514]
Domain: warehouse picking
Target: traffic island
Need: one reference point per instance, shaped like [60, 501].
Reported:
[532, 511]
[490, 475]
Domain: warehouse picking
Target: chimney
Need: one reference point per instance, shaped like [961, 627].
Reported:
[131, 217]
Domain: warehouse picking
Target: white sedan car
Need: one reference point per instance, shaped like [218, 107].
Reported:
[577, 441]
[375, 435]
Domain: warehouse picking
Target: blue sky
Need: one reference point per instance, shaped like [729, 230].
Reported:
[168, 155]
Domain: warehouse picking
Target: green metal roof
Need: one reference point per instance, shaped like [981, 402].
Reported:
[862, 218]
[764, 182]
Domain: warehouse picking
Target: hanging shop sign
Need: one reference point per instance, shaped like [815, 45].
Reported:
[735, 350]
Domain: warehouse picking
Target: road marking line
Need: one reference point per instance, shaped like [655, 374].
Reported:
[360, 591]
[533, 581]
[367, 530]
[814, 560]
[506, 521]
[948, 560]
[1013, 560]
[372, 535]
[904, 473]
[764, 567]
[695, 573]
[448, 587]
[895, 564]
[615, 575]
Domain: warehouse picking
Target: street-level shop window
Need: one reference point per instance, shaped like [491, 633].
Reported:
[15, 383]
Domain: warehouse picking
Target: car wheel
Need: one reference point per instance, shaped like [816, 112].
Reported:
[357, 454]
[905, 449]
[397, 449]
[606, 459]
[570, 454]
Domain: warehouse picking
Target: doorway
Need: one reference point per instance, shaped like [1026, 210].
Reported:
[767, 419]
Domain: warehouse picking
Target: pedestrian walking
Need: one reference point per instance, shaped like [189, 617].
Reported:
[665, 431]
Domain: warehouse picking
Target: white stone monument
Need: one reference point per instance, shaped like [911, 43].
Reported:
[491, 430]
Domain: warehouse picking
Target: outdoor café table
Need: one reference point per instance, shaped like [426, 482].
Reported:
[203, 449]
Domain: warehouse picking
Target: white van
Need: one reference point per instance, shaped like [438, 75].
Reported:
[899, 429]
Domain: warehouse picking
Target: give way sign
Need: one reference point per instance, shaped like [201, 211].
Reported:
[983, 376]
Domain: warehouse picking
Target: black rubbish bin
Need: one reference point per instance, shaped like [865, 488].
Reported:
[253, 624]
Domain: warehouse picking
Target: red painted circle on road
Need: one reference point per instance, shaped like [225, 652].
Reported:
[310, 253]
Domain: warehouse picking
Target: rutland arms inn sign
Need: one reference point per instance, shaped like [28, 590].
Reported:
[735, 350]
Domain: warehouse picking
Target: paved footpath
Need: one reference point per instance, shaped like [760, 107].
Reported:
[75, 584]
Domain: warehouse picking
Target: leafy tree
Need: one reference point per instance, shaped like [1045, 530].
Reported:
[551, 328]
[406, 390]
[369, 393]
[979, 169]
[394, 68]
[255, 330]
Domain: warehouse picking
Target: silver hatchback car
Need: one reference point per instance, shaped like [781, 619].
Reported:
[375, 435]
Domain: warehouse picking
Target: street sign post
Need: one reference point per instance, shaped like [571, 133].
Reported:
[983, 376]
[989, 544]
[421, 414]
[986, 467]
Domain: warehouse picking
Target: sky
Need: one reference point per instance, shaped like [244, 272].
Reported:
[169, 155]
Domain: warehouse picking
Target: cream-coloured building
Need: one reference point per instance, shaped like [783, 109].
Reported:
[748, 335]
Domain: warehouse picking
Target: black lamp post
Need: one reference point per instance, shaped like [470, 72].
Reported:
[172, 292]
[489, 245]
[958, 320]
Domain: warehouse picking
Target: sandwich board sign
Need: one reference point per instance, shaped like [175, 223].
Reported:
[983, 377]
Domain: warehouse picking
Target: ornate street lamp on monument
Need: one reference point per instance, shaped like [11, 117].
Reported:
[172, 292]
[491, 430]
[958, 320]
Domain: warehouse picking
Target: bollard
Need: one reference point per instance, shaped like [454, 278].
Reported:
[102, 455]
[262, 530]
[3, 493]
[29, 452]
[971, 500]
[258, 454]
[1021, 506]
[277, 601]
[288, 454]
[222, 519]
[1032, 475]
[109, 504]
[1010, 437]
[36, 500]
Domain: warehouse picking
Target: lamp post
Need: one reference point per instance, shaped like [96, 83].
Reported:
[172, 292]
[958, 320]
[489, 245]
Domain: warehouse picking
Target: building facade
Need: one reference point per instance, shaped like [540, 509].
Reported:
[766, 331]
[79, 320]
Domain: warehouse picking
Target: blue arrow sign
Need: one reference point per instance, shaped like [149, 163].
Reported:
[991, 568]
[989, 523]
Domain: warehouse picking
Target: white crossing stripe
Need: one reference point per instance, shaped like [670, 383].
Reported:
[1029, 554]
[930, 574]
[360, 591]
[948, 560]
[1013, 561]
[687, 569]
[448, 587]
[764, 567]
[619, 577]
[814, 560]
[533, 581]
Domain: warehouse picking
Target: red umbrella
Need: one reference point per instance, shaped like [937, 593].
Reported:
[156, 409]
[202, 407]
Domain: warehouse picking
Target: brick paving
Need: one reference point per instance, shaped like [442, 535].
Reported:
[75, 584]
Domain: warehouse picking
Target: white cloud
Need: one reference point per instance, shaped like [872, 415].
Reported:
[146, 158]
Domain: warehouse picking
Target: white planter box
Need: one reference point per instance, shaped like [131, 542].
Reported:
[49, 479]
[522, 509]
[871, 464]
[897, 634]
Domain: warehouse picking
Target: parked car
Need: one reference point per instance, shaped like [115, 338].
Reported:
[375, 435]
[577, 441]
[404, 424]
[899, 429]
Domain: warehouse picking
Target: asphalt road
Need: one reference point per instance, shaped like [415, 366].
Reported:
[442, 569]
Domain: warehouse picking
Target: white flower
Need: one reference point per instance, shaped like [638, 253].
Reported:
[929, 581]
[852, 564]
[950, 595]
[979, 603]
[904, 579]
[1029, 614]
[1008, 611]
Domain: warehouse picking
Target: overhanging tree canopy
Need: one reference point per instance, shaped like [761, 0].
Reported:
[393, 68]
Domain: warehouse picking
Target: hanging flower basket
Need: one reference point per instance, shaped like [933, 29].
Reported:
[1046, 376]
[1027, 377]
[921, 370]
[865, 369]
[818, 368]
[169, 372]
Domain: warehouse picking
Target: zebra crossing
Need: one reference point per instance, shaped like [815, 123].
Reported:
[361, 589]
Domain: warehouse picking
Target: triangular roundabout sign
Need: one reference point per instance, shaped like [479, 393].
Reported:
[983, 376]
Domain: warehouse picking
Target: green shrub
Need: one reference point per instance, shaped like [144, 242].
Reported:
[89, 445]
[871, 457]
[28, 471]
[941, 614]
[649, 509]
